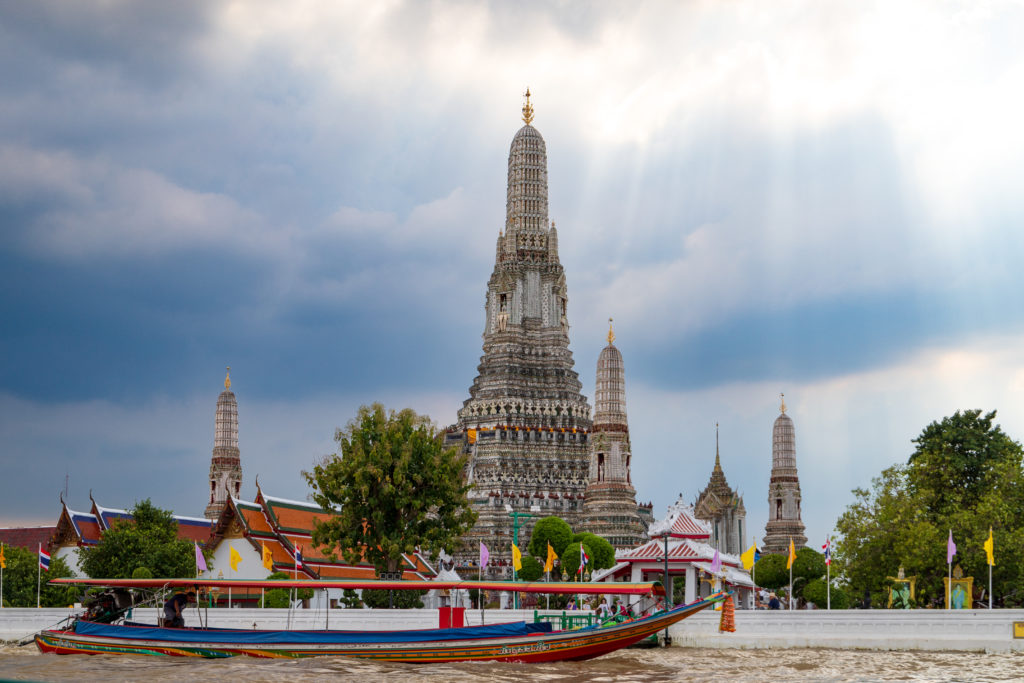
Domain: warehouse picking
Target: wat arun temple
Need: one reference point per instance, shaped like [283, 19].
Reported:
[535, 448]
[526, 426]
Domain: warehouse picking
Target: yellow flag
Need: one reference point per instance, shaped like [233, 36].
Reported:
[268, 558]
[235, 558]
[792, 554]
[747, 558]
[3, 560]
[549, 564]
[990, 548]
[517, 558]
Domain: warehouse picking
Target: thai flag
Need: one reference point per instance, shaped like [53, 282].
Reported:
[44, 559]
[584, 559]
[828, 551]
[298, 558]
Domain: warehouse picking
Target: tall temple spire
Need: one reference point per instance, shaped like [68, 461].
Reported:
[783, 488]
[718, 460]
[526, 423]
[610, 509]
[723, 508]
[226, 462]
[526, 207]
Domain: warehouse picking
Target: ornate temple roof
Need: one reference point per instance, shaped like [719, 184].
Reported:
[87, 528]
[680, 522]
[27, 536]
[717, 494]
[286, 526]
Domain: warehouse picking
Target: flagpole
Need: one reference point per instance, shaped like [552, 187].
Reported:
[790, 586]
[990, 586]
[753, 570]
[949, 569]
[39, 572]
[828, 575]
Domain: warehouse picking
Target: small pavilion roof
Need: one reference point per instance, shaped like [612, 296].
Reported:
[680, 522]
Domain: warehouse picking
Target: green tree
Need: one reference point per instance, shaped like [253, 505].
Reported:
[809, 564]
[22, 573]
[149, 539]
[393, 487]
[379, 599]
[276, 598]
[815, 591]
[350, 599]
[964, 475]
[553, 530]
[532, 569]
[603, 554]
[770, 571]
[571, 558]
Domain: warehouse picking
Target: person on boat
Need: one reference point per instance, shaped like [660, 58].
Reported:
[173, 617]
[773, 602]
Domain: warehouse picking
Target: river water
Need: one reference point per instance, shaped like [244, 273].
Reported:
[673, 664]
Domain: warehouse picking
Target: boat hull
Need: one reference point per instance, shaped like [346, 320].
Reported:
[547, 647]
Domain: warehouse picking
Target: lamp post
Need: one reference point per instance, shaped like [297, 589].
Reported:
[515, 515]
[668, 594]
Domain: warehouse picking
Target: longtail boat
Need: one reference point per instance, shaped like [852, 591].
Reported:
[510, 642]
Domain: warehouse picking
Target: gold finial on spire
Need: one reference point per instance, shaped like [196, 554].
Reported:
[527, 109]
[783, 397]
[227, 378]
[611, 333]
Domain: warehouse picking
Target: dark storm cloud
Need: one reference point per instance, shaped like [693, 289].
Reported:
[140, 41]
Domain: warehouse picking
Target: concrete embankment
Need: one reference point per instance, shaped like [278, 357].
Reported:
[960, 630]
[969, 630]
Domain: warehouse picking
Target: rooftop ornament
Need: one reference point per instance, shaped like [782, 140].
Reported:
[527, 109]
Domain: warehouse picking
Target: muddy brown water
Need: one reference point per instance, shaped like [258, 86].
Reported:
[673, 664]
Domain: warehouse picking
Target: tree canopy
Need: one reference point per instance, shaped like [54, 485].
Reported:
[553, 530]
[964, 476]
[532, 569]
[21, 575]
[602, 554]
[571, 559]
[393, 487]
[770, 571]
[149, 539]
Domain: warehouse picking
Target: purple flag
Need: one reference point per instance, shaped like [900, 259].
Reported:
[200, 560]
[484, 555]
[950, 548]
[716, 563]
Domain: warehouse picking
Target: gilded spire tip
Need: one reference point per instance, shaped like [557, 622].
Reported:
[527, 108]
[227, 378]
[783, 407]
[611, 332]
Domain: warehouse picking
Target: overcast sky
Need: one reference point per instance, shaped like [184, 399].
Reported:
[821, 199]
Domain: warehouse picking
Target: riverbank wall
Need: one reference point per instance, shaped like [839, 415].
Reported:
[963, 631]
[954, 631]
